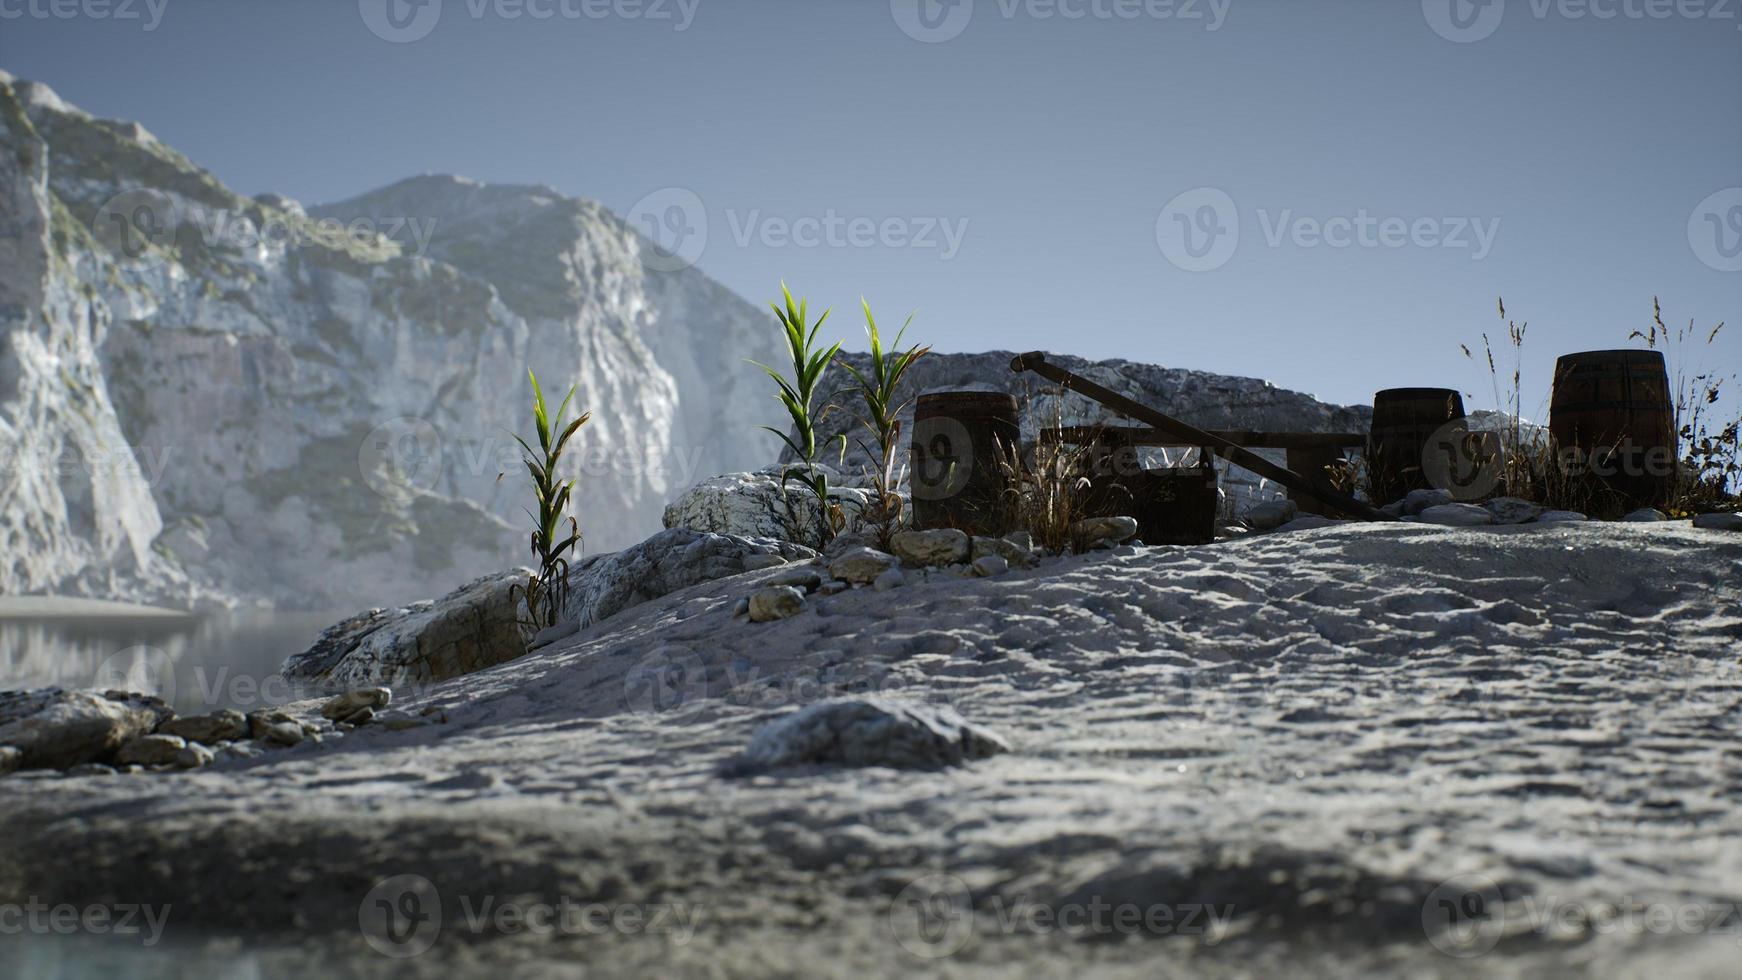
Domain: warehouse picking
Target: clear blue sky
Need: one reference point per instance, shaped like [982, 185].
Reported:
[1592, 141]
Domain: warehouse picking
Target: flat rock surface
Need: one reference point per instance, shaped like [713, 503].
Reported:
[1313, 733]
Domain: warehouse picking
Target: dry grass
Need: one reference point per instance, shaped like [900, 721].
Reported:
[1048, 493]
[1710, 475]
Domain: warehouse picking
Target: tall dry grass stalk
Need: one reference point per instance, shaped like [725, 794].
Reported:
[1048, 493]
[1709, 449]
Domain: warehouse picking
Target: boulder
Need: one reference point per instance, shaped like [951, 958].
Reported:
[1646, 515]
[345, 705]
[283, 733]
[219, 726]
[927, 549]
[870, 732]
[479, 625]
[755, 505]
[1709, 522]
[1417, 501]
[1457, 515]
[151, 750]
[1560, 517]
[1102, 531]
[193, 755]
[57, 729]
[261, 722]
[1512, 510]
[861, 566]
[779, 602]
[990, 565]
[1271, 514]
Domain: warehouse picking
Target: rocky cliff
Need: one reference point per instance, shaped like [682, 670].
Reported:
[203, 393]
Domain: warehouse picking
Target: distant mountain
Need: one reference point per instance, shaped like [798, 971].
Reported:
[204, 394]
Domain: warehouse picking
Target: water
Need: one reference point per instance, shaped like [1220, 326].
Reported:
[197, 664]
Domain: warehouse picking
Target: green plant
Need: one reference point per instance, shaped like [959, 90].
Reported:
[796, 394]
[1709, 450]
[545, 589]
[882, 412]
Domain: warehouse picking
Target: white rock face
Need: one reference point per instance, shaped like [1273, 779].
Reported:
[333, 387]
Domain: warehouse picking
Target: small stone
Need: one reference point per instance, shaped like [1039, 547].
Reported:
[1457, 515]
[193, 756]
[436, 711]
[11, 758]
[741, 607]
[216, 727]
[990, 565]
[1560, 517]
[399, 721]
[802, 577]
[1104, 531]
[259, 722]
[871, 732]
[1419, 500]
[1272, 514]
[782, 602]
[350, 702]
[861, 566]
[1719, 522]
[1512, 510]
[834, 587]
[284, 733]
[895, 578]
[357, 719]
[1307, 522]
[1012, 553]
[1646, 515]
[239, 750]
[92, 769]
[151, 750]
[756, 563]
[941, 546]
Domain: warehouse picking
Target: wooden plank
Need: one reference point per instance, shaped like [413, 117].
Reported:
[1251, 439]
[1320, 490]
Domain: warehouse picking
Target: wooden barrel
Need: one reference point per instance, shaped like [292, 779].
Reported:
[1404, 419]
[1612, 419]
[959, 438]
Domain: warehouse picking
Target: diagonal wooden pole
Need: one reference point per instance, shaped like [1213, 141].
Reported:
[1036, 362]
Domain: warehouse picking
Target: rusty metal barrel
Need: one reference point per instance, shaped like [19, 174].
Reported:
[1404, 422]
[1612, 419]
[955, 472]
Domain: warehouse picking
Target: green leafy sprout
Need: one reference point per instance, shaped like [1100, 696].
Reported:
[796, 394]
[545, 589]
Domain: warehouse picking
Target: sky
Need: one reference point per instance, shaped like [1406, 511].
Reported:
[1328, 195]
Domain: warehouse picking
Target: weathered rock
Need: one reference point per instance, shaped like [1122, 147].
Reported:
[1097, 531]
[1512, 510]
[990, 565]
[755, 505]
[219, 726]
[1417, 501]
[151, 750]
[779, 602]
[604, 586]
[756, 563]
[861, 566]
[895, 578]
[550, 634]
[95, 769]
[941, 546]
[1018, 555]
[1457, 515]
[1560, 517]
[11, 759]
[57, 729]
[871, 732]
[1271, 514]
[351, 702]
[1307, 522]
[356, 719]
[239, 750]
[803, 577]
[741, 607]
[1646, 515]
[260, 721]
[834, 587]
[283, 733]
[193, 755]
[399, 721]
[1708, 522]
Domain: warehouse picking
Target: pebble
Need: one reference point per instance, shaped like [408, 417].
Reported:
[1512, 510]
[1271, 514]
[151, 750]
[941, 546]
[755, 563]
[1417, 501]
[892, 579]
[1560, 517]
[193, 755]
[741, 607]
[802, 577]
[861, 566]
[990, 565]
[1646, 515]
[219, 726]
[351, 702]
[1100, 530]
[1457, 515]
[284, 733]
